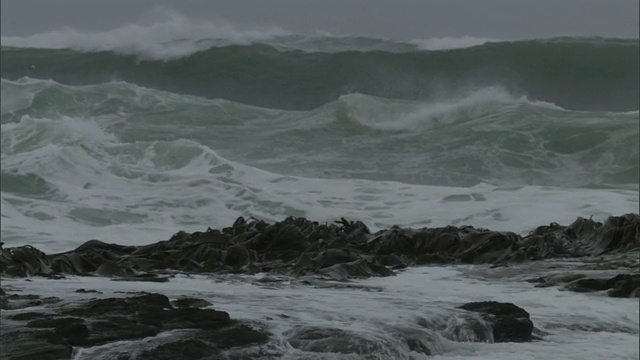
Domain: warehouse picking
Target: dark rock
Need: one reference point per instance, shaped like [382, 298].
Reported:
[556, 279]
[190, 303]
[496, 308]
[188, 318]
[24, 261]
[487, 247]
[300, 247]
[72, 263]
[342, 250]
[121, 306]
[28, 345]
[101, 321]
[625, 285]
[66, 330]
[238, 256]
[509, 322]
[622, 285]
[24, 297]
[16, 301]
[29, 316]
[393, 261]
[110, 269]
[74, 333]
[53, 322]
[420, 340]
[88, 291]
[358, 268]
[187, 349]
[235, 336]
[143, 315]
[588, 285]
[115, 328]
[330, 340]
[332, 257]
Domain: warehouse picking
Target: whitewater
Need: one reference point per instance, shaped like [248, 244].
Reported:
[135, 133]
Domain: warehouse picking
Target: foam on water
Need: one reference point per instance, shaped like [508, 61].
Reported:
[379, 114]
[110, 168]
[132, 165]
[167, 35]
[145, 198]
[424, 300]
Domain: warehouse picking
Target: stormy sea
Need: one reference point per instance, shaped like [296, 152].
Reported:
[271, 195]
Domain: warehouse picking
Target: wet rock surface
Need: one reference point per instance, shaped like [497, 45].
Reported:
[320, 255]
[25, 345]
[54, 334]
[317, 339]
[621, 285]
[17, 301]
[340, 251]
[508, 322]
[183, 348]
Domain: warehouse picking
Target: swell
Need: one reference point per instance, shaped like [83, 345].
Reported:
[117, 160]
[485, 136]
[580, 74]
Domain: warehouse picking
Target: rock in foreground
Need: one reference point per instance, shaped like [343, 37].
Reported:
[509, 323]
[53, 335]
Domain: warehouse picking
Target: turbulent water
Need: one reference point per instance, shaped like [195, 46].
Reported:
[129, 135]
[392, 312]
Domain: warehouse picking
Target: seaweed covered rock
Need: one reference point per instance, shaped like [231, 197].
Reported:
[24, 261]
[342, 250]
[584, 237]
[621, 285]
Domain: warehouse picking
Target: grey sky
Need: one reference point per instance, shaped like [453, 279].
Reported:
[402, 19]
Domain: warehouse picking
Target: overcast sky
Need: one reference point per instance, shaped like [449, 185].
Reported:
[401, 19]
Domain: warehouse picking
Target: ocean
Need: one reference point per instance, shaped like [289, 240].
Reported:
[129, 139]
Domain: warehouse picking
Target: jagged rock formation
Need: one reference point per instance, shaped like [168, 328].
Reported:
[297, 246]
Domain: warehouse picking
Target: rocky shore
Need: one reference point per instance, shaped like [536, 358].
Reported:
[296, 248]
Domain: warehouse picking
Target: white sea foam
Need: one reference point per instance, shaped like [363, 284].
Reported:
[142, 192]
[375, 113]
[105, 171]
[580, 326]
[167, 35]
[109, 168]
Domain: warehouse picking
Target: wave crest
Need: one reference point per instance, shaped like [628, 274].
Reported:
[407, 116]
[171, 36]
[266, 76]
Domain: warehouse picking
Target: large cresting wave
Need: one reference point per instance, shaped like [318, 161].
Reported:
[483, 136]
[118, 161]
[276, 69]
[135, 132]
